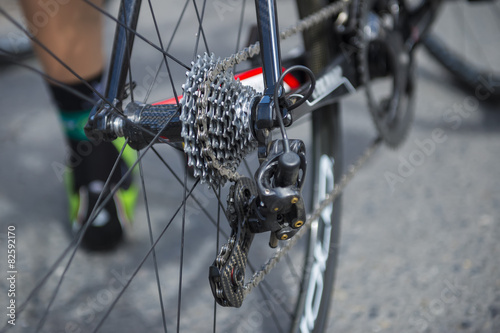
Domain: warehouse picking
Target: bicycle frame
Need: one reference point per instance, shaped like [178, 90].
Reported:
[267, 20]
[339, 78]
[123, 42]
[128, 16]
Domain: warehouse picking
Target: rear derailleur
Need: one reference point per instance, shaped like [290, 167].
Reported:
[272, 201]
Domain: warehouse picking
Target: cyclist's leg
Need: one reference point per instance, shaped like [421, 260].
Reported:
[73, 33]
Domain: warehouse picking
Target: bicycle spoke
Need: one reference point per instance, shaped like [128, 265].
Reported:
[74, 243]
[193, 197]
[217, 244]
[137, 34]
[266, 285]
[240, 29]
[78, 94]
[165, 60]
[181, 263]
[80, 234]
[40, 284]
[46, 49]
[273, 312]
[291, 268]
[200, 29]
[198, 16]
[97, 93]
[141, 263]
[157, 29]
[151, 239]
[212, 220]
[49, 78]
[99, 206]
[174, 32]
[247, 167]
[219, 201]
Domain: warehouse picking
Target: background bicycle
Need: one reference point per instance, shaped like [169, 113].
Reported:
[415, 275]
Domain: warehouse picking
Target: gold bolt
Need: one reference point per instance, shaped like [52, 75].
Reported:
[284, 237]
[295, 200]
[298, 224]
[276, 209]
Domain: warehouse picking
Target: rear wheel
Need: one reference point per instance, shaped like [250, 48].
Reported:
[321, 261]
[160, 278]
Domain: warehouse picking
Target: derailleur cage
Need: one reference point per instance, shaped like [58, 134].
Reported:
[272, 202]
[227, 273]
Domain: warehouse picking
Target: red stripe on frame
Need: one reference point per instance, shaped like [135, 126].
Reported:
[292, 82]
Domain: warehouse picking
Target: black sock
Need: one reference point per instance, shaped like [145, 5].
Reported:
[89, 161]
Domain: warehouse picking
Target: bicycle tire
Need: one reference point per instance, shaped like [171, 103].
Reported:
[468, 74]
[326, 143]
[326, 150]
[472, 63]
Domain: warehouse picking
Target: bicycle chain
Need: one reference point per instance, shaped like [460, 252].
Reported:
[227, 64]
[211, 94]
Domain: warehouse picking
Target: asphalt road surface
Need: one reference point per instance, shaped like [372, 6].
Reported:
[420, 225]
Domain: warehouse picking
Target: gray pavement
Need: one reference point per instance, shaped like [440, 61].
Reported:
[420, 225]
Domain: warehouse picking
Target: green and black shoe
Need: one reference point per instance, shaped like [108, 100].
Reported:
[85, 183]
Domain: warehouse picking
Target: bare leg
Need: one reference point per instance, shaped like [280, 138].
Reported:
[73, 31]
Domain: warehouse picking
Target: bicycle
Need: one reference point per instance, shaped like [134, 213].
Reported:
[325, 119]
